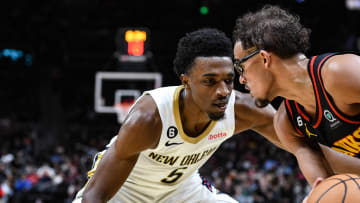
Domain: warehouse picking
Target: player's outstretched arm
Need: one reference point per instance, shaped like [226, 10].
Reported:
[140, 131]
[311, 162]
[248, 116]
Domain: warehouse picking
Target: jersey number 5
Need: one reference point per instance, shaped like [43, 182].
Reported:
[173, 176]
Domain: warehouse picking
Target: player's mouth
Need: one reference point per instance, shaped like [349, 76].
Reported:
[221, 105]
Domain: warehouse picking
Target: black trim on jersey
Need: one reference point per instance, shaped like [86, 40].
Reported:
[323, 129]
[288, 106]
[319, 80]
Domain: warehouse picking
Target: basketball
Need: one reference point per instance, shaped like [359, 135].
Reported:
[344, 188]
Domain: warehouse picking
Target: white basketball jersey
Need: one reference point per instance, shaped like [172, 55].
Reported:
[159, 172]
[177, 155]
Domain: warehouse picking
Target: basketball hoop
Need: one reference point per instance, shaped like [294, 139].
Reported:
[122, 109]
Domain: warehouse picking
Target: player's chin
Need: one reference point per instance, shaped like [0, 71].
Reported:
[261, 103]
[215, 116]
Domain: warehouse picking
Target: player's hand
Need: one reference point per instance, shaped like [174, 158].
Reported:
[317, 182]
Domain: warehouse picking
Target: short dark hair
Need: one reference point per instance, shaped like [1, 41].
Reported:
[273, 29]
[205, 42]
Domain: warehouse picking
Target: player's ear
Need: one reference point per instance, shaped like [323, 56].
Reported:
[184, 80]
[266, 58]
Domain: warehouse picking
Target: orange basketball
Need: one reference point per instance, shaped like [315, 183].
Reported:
[342, 188]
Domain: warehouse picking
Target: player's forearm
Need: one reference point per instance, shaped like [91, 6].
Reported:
[272, 137]
[340, 162]
[109, 176]
[96, 192]
[92, 197]
[269, 133]
[312, 165]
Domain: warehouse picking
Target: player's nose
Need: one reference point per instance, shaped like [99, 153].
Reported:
[242, 79]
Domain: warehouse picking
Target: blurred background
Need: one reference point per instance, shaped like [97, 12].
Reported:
[51, 51]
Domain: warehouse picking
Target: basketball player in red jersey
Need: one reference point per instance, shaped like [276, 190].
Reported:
[319, 120]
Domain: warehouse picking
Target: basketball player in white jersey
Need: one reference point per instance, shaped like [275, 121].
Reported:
[171, 132]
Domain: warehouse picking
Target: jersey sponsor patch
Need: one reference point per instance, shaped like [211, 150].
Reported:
[217, 135]
[329, 116]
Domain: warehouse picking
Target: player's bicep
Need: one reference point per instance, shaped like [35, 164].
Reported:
[139, 132]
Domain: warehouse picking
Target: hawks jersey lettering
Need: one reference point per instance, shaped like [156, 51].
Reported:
[330, 126]
[177, 156]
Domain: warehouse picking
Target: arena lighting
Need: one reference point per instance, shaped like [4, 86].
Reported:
[204, 10]
[16, 55]
[13, 54]
[353, 4]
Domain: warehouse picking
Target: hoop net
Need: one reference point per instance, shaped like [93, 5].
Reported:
[122, 109]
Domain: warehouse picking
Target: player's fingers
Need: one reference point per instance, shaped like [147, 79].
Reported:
[317, 182]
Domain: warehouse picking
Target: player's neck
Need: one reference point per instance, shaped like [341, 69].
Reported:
[194, 121]
[294, 82]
